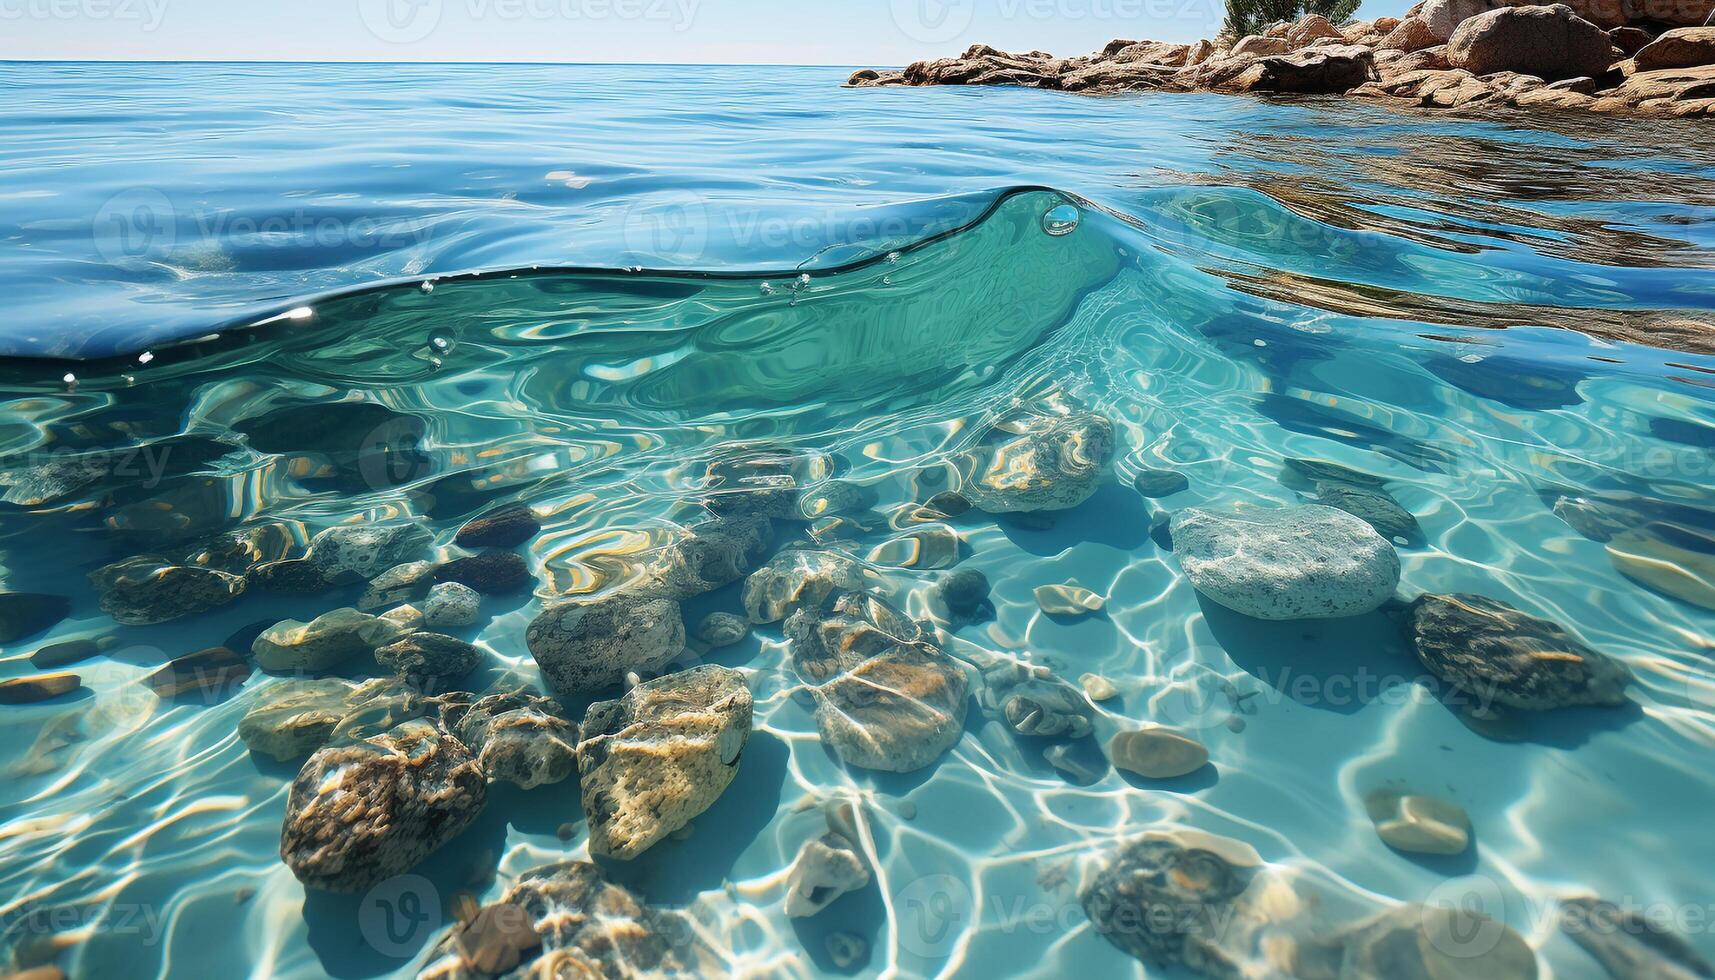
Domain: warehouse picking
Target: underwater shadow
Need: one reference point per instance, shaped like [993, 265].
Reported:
[1337, 665]
[1114, 516]
[676, 872]
[860, 913]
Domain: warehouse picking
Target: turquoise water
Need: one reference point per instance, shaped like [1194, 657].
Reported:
[263, 271]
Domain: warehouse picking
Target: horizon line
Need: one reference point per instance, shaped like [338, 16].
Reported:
[589, 64]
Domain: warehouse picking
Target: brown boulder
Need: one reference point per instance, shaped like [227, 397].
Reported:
[1685, 47]
[1412, 34]
[1311, 71]
[1261, 46]
[1675, 13]
[1631, 40]
[1549, 42]
[1310, 29]
[1660, 89]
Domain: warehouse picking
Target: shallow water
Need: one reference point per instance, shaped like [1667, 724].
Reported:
[844, 275]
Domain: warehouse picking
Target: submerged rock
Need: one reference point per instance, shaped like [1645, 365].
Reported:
[1068, 600]
[428, 659]
[1418, 824]
[1496, 654]
[1167, 899]
[566, 920]
[292, 719]
[517, 737]
[1374, 507]
[366, 550]
[654, 759]
[826, 868]
[322, 643]
[450, 605]
[1097, 687]
[837, 497]
[1629, 945]
[588, 646]
[965, 593]
[797, 579]
[41, 687]
[713, 554]
[504, 527]
[1051, 462]
[215, 672]
[1157, 753]
[358, 813]
[722, 629]
[754, 480]
[490, 573]
[25, 614]
[1160, 483]
[408, 582]
[1304, 562]
[144, 591]
[69, 652]
[1420, 942]
[1046, 708]
[885, 697]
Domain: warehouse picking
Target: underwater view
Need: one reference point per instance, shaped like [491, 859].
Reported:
[577, 521]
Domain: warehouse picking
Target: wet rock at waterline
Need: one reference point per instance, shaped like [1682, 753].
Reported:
[716, 553]
[722, 629]
[1630, 945]
[588, 646]
[1157, 753]
[1036, 463]
[1496, 654]
[886, 698]
[1418, 824]
[825, 869]
[797, 579]
[490, 573]
[1303, 562]
[1167, 898]
[428, 660]
[654, 759]
[361, 812]
[144, 591]
[450, 605]
[504, 527]
[517, 737]
[323, 643]
[575, 924]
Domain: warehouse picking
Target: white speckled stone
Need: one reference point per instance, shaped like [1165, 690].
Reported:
[1306, 562]
[450, 604]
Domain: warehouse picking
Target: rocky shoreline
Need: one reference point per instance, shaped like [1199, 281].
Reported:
[1631, 57]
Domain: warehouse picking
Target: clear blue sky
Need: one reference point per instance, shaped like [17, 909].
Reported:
[828, 32]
